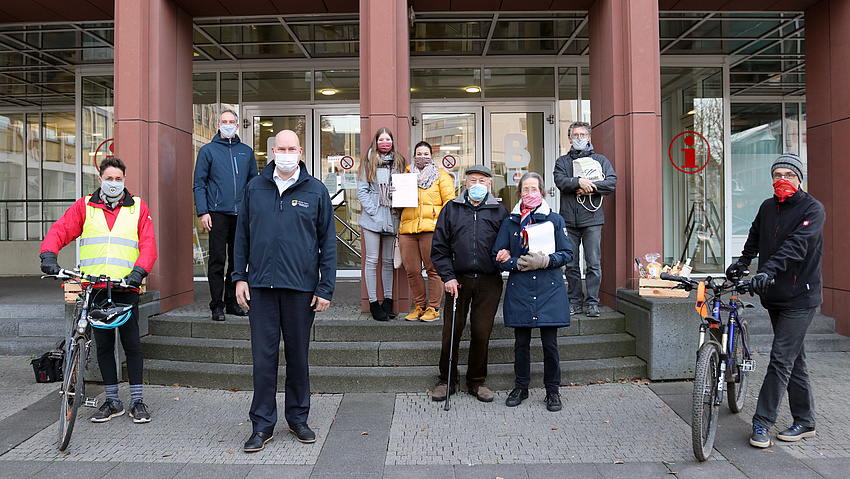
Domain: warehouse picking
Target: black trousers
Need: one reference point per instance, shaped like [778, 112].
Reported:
[222, 238]
[551, 358]
[105, 341]
[276, 311]
[483, 294]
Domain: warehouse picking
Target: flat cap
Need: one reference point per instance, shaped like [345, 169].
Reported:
[481, 169]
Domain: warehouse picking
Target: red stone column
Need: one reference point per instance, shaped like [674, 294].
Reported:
[625, 96]
[153, 131]
[827, 130]
[385, 100]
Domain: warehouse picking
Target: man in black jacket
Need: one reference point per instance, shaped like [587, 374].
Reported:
[460, 251]
[787, 237]
[285, 273]
[581, 207]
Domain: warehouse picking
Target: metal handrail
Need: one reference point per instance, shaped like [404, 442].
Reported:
[26, 221]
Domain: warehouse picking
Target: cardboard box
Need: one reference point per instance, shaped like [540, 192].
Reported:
[659, 288]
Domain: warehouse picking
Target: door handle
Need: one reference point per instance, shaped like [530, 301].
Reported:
[552, 191]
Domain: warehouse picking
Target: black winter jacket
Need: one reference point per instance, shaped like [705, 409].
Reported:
[574, 214]
[285, 241]
[223, 169]
[464, 237]
[787, 237]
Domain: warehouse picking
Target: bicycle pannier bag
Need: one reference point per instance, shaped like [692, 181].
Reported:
[48, 367]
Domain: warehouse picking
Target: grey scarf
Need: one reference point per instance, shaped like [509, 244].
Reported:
[427, 175]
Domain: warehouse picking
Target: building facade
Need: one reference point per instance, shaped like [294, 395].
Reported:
[691, 101]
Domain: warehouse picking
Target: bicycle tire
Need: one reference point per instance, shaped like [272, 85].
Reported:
[72, 392]
[737, 394]
[705, 404]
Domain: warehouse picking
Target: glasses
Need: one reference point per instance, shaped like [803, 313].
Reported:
[577, 136]
[786, 176]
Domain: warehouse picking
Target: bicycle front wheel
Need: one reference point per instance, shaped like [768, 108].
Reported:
[738, 378]
[72, 391]
[705, 404]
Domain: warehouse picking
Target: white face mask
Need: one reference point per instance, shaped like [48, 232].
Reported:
[228, 131]
[580, 143]
[286, 162]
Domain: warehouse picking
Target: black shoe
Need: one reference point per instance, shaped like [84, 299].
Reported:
[553, 401]
[378, 312]
[303, 433]
[257, 441]
[795, 433]
[516, 397]
[387, 306]
[759, 437]
[592, 311]
[236, 310]
[109, 409]
[218, 314]
[139, 412]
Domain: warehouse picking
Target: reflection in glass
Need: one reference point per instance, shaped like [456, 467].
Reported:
[505, 82]
[430, 83]
[568, 105]
[12, 176]
[452, 139]
[340, 158]
[275, 86]
[59, 166]
[266, 127]
[516, 145]
[97, 118]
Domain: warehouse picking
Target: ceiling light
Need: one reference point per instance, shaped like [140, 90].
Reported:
[328, 92]
[266, 123]
[691, 112]
[473, 89]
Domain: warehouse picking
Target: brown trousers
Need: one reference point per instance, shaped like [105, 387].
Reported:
[483, 293]
[416, 251]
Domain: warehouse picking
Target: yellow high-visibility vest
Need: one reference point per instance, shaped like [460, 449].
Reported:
[113, 253]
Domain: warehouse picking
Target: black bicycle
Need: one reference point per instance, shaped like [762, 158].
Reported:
[107, 315]
[724, 358]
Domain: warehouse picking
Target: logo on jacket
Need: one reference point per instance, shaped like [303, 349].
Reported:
[806, 223]
[300, 203]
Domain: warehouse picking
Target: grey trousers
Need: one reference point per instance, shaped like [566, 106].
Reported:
[591, 238]
[376, 242]
[787, 370]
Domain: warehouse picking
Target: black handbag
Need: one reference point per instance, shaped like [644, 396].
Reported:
[48, 367]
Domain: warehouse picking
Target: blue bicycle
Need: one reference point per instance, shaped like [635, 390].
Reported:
[724, 358]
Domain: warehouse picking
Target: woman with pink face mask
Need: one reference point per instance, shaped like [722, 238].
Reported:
[536, 295]
[378, 220]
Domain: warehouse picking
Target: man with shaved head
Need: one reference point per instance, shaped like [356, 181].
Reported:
[285, 272]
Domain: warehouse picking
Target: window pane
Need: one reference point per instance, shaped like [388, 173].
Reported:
[275, 86]
[336, 85]
[97, 117]
[568, 107]
[441, 83]
[506, 82]
[12, 176]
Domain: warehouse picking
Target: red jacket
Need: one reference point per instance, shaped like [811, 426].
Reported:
[70, 226]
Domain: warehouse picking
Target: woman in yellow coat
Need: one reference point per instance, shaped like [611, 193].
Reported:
[436, 188]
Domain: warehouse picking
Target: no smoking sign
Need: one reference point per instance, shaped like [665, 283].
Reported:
[449, 161]
[346, 162]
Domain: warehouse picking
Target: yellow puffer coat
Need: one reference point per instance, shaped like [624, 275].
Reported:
[423, 218]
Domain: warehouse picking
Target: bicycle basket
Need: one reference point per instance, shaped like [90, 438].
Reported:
[110, 315]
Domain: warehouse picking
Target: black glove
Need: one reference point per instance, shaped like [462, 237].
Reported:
[48, 263]
[737, 270]
[134, 279]
[760, 282]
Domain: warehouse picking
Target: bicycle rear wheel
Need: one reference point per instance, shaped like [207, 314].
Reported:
[705, 404]
[738, 378]
[72, 391]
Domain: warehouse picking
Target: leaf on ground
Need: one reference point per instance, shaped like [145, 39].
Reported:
[176, 384]
[606, 422]
[554, 428]
[166, 455]
[230, 452]
[234, 390]
[364, 433]
[177, 399]
[619, 462]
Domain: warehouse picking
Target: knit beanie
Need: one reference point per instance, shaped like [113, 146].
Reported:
[790, 161]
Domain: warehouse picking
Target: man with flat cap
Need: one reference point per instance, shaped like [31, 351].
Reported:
[460, 251]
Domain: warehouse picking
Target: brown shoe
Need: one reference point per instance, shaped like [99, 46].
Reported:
[430, 314]
[415, 315]
[482, 393]
[439, 393]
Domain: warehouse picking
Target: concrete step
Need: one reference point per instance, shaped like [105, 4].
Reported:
[31, 346]
[31, 327]
[332, 379]
[380, 354]
[760, 324]
[25, 310]
[365, 329]
[815, 343]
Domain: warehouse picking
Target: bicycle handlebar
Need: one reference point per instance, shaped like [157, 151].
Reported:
[65, 274]
[688, 284]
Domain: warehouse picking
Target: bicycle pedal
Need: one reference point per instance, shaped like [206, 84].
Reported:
[90, 402]
[748, 365]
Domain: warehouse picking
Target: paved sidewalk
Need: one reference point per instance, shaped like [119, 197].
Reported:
[632, 429]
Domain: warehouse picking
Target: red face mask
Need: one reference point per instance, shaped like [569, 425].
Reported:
[783, 189]
[385, 146]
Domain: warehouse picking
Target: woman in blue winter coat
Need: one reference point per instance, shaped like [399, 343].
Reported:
[535, 296]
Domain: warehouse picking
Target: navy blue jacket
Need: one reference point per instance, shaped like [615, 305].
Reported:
[539, 297]
[223, 169]
[285, 241]
[787, 237]
[575, 215]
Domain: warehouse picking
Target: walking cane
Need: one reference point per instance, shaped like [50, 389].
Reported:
[448, 406]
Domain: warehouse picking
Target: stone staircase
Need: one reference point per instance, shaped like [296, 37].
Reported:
[30, 329]
[820, 337]
[358, 354]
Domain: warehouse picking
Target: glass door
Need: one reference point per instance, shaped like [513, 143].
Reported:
[260, 125]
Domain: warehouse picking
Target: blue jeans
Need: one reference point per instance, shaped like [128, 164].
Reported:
[591, 238]
[787, 370]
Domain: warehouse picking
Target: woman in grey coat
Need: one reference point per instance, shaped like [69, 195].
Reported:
[378, 220]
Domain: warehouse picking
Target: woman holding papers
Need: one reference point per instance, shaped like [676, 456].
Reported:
[533, 246]
[378, 220]
[434, 188]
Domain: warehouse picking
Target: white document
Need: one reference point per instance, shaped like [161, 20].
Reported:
[541, 237]
[405, 194]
